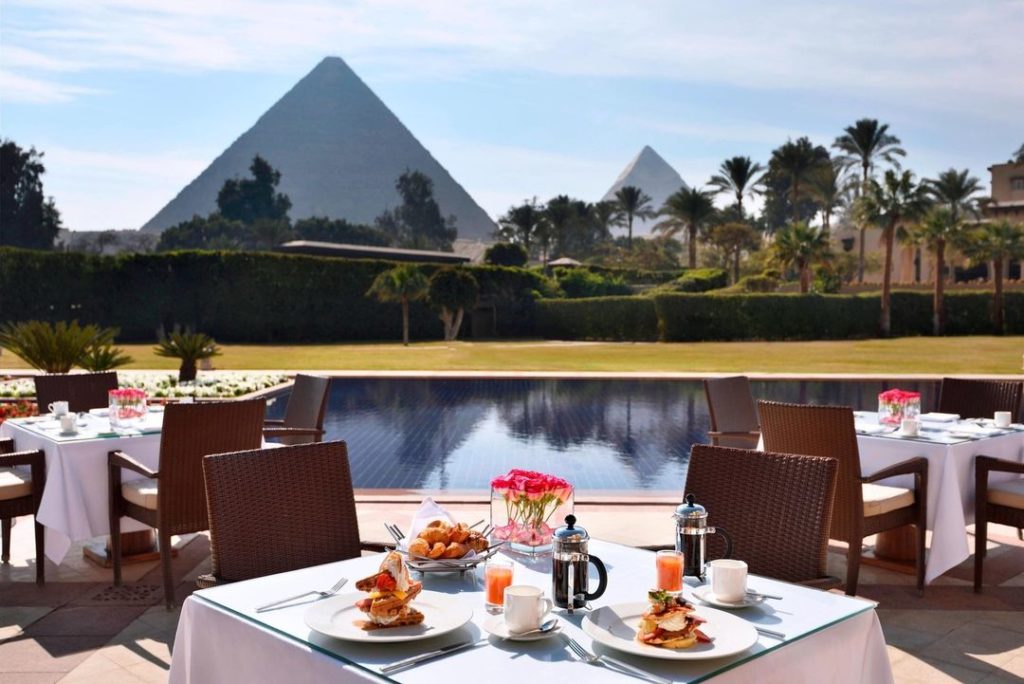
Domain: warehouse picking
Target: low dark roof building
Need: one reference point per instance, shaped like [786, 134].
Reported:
[345, 251]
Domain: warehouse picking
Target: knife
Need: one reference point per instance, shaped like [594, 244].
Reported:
[423, 657]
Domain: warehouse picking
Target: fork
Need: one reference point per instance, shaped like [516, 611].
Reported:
[394, 532]
[588, 657]
[323, 594]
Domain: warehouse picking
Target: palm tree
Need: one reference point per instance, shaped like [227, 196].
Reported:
[633, 203]
[733, 238]
[687, 209]
[954, 190]
[828, 186]
[606, 216]
[897, 201]
[796, 160]
[521, 223]
[738, 175]
[939, 229]
[800, 246]
[559, 216]
[864, 143]
[402, 284]
[998, 243]
[1018, 156]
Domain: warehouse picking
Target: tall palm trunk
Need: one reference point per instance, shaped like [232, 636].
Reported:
[629, 238]
[998, 295]
[692, 228]
[863, 226]
[938, 306]
[736, 266]
[405, 320]
[886, 322]
[805, 277]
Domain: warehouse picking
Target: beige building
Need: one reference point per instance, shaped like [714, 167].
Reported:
[1007, 192]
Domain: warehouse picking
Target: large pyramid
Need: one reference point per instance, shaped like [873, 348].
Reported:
[339, 150]
[652, 174]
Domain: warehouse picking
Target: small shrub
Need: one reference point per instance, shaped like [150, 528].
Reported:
[188, 346]
[53, 348]
[104, 357]
[580, 282]
[755, 283]
[696, 280]
[506, 254]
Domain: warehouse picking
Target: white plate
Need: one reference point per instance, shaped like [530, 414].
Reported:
[939, 417]
[496, 626]
[337, 617]
[707, 596]
[616, 627]
[102, 412]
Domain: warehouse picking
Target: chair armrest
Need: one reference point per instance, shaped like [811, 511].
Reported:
[272, 421]
[987, 464]
[913, 466]
[742, 433]
[119, 459]
[291, 431]
[657, 547]
[6, 446]
[22, 458]
[374, 546]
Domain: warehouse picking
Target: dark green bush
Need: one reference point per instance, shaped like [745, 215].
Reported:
[578, 283]
[636, 276]
[695, 280]
[604, 318]
[756, 283]
[506, 254]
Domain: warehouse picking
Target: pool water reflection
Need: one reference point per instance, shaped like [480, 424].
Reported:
[601, 435]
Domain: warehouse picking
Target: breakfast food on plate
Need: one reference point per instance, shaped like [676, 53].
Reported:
[670, 622]
[391, 590]
[440, 539]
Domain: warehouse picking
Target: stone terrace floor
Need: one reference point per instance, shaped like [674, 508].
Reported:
[76, 629]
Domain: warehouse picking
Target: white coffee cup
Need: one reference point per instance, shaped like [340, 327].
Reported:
[729, 579]
[69, 423]
[58, 408]
[909, 427]
[525, 608]
[1003, 419]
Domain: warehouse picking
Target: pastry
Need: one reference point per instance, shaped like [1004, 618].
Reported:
[670, 622]
[390, 591]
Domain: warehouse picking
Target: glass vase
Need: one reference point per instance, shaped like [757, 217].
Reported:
[527, 525]
[127, 408]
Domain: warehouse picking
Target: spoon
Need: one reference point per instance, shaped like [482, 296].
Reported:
[544, 628]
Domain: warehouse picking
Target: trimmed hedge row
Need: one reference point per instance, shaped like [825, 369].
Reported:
[599, 318]
[237, 296]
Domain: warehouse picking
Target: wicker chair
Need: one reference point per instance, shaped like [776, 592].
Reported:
[20, 494]
[82, 391]
[778, 508]
[979, 398]
[862, 508]
[304, 416]
[275, 510]
[173, 499]
[733, 414]
[1001, 503]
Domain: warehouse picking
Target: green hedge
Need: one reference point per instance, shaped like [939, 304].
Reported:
[238, 296]
[603, 318]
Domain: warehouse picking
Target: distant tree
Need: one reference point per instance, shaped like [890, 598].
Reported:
[323, 229]
[895, 202]
[938, 229]
[402, 284]
[688, 209]
[955, 190]
[521, 224]
[417, 222]
[250, 199]
[606, 216]
[213, 232]
[633, 203]
[796, 161]
[561, 217]
[733, 239]
[998, 243]
[828, 185]
[864, 144]
[506, 254]
[801, 246]
[659, 253]
[1018, 156]
[266, 233]
[27, 218]
[739, 176]
[451, 291]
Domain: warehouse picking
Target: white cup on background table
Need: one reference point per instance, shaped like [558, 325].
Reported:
[729, 579]
[1003, 419]
[69, 423]
[58, 408]
[525, 608]
[910, 427]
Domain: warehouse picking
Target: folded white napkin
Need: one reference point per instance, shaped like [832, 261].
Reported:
[934, 417]
[428, 512]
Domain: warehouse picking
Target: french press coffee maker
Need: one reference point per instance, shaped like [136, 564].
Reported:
[691, 533]
[569, 567]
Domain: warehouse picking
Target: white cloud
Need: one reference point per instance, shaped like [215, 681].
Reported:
[37, 90]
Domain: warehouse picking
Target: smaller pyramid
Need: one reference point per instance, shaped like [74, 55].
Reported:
[651, 173]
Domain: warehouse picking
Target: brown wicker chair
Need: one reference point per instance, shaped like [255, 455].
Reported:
[862, 508]
[733, 413]
[304, 416]
[275, 510]
[173, 499]
[777, 507]
[979, 398]
[82, 391]
[1001, 503]
[20, 494]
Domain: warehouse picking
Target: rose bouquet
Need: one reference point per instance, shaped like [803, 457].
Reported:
[127, 406]
[523, 506]
[894, 405]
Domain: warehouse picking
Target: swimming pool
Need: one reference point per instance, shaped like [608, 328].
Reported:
[601, 435]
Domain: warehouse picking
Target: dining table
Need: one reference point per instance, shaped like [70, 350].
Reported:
[75, 501]
[222, 638]
[950, 444]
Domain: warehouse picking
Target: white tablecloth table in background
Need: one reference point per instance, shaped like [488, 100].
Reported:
[221, 639]
[950, 481]
[75, 500]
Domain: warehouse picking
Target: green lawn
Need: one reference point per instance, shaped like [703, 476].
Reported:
[964, 355]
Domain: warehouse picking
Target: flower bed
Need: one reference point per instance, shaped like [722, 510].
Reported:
[207, 385]
[17, 409]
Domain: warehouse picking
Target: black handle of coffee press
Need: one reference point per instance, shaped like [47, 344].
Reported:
[602, 579]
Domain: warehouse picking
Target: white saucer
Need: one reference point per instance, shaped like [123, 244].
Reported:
[496, 626]
[705, 595]
[68, 433]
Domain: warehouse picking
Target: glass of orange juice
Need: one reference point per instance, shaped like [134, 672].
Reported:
[497, 576]
[670, 570]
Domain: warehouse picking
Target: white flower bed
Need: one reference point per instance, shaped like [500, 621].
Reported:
[164, 385]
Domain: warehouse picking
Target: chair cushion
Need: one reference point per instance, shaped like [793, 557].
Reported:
[14, 484]
[141, 492]
[1009, 493]
[880, 499]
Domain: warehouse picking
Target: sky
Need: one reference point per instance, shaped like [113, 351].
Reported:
[131, 99]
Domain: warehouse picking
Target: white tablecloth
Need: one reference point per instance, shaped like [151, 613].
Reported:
[830, 638]
[75, 501]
